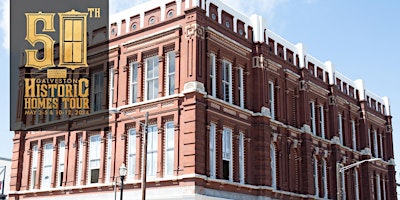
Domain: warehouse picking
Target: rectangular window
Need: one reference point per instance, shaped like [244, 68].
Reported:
[47, 166]
[170, 86]
[384, 189]
[322, 121]
[94, 159]
[227, 81]
[273, 165]
[353, 134]
[369, 138]
[356, 185]
[152, 148]
[241, 158]
[378, 186]
[227, 154]
[212, 150]
[108, 157]
[312, 117]
[271, 97]
[241, 88]
[133, 82]
[381, 145]
[376, 144]
[324, 179]
[213, 76]
[111, 83]
[151, 78]
[80, 156]
[169, 148]
[61, 157]
[316, 177]
[343, 184]
[34, 166]
[98, 88]
[131, 153]
[340, 128]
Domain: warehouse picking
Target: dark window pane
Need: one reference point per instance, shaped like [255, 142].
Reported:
[94, 176]
[226, 169]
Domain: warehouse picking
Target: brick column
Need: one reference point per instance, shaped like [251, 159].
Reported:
[71, 150]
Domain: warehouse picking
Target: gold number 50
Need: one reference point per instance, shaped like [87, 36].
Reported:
[73, 39]
[32, 37]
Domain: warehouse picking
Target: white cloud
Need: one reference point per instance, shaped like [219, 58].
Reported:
[5, 23]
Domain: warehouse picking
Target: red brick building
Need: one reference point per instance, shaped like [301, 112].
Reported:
[236, 112]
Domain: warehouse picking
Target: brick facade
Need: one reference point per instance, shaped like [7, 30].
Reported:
[231, 73]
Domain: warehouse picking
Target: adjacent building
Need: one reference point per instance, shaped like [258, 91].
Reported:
[5, 172]
[235, 112]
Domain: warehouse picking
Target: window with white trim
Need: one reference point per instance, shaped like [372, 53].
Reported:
[384, 189]
[227, 81]
[131, 153]
[34, 166]
[378, 186]
[316, 177]
[152, 149]
[343, 184]
[108, 157]
[241, 158]
[170, 79]
[353, 134]
[381, 145]
[169, 148]
[98, 88]
[151, 87]
[271, 97]
[375, 144]
[133, 82]
[94, 159]
[312, 117]
[356, 185]
[227, 154]
[369, 138]
[61, 157]
[340, 128]
[80, 162]
[213, 78]
[111, 90]
[212, 150]
[273, 165]
[241, 87]
[47, 166]
[322, 121]
[324, 179]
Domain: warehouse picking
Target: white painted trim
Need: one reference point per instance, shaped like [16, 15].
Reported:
[151, 35]
[219, 15]
[187, 4]
[229, 39]
[178, 7]
[162, 8]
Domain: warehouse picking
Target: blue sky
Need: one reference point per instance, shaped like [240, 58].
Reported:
[361, 37]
